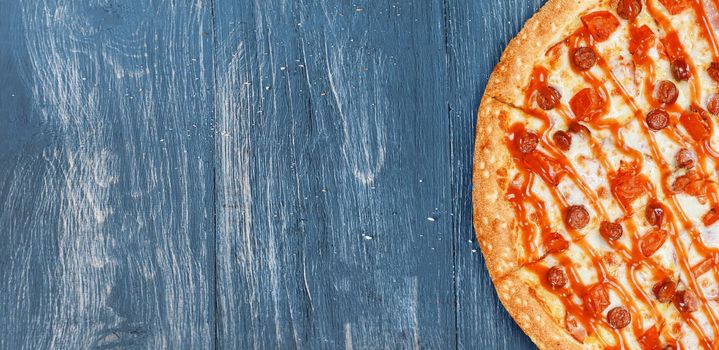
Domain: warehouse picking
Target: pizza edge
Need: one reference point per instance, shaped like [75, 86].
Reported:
[493, 220]
[531, 315]
[547, 27]
[493, 215]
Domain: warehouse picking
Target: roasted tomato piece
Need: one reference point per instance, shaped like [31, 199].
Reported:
[601, 24]
[650, 339]
[641, 41]
[555, 243]
[696, 124]
[675, 6]
[596, 299]
[587, 104]
[628, 185]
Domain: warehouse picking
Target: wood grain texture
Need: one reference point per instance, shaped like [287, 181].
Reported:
[106, 178]
[478, 32]
[333, 210]
[198, 174]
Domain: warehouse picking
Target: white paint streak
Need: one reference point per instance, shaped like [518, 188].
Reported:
[82, 266]
[355, 82]
[235, 212]
[348, 336]
[99, 71]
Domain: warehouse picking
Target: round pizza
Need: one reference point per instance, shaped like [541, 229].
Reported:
[596, 202]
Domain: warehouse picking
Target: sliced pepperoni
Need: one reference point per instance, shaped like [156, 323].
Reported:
[584, 58]
[563, 140]
[713, 104]
[611, 231]
[629, 9]
[619, 317]
[652, 241]
[548, 98]
[577, 217]
[685, 158]
[641, 40]
[596, 299]
[657, 119]
[556, 277]
[675, 6]
[601, 24]
[713, 71]
[555, 243]
[666, 92]
[654, 214]
[686, 302]
[587, 104]
[578, 128]
[696, 124]
[526, 142]
[664, 290]
[680, 70]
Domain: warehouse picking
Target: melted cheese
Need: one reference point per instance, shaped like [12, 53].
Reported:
[628, 100]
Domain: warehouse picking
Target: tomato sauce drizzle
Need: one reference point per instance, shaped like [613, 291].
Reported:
[551, 166]
[705, 27]
[703, 148]
[676, 48]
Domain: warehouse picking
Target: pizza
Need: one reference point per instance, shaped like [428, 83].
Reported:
[595, 194]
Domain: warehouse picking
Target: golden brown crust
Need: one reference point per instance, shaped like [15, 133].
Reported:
[493, 215]
[497, 233]
[529, 313]
[494, 220]
[547, 27]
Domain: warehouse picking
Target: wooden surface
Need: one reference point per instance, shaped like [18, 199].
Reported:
[253, 174]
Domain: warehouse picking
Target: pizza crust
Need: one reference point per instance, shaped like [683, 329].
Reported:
[544, 330]
[493, 216]
[497, 232]
[547, 27]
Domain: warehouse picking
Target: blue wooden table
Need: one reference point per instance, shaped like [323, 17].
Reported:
[245, 174]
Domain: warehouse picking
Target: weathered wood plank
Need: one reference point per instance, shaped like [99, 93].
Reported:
[106, 175]
[333, 176]
[343, 182]
[478, 32]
